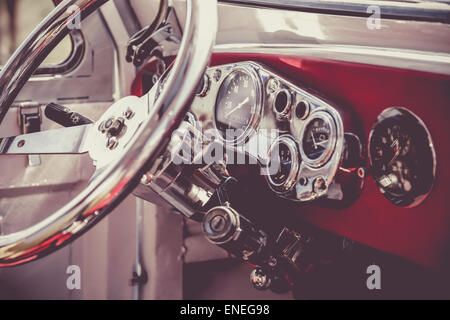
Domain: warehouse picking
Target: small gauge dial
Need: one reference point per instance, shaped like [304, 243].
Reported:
[284, 160]
[401, 157]
[318, 137]
[238, 105]
[283, 164]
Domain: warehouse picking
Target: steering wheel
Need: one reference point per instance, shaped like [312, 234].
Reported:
[123, 143]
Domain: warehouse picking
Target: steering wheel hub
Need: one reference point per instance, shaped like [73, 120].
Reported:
[115, 129]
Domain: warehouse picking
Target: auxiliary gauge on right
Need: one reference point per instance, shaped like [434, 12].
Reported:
[402, 157]
[318, 139]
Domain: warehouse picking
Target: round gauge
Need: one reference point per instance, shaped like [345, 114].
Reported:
[402, 157]
[283, 164]
[318, 139]
[238, 105]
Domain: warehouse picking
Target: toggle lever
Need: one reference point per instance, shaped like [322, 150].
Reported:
[64, 116]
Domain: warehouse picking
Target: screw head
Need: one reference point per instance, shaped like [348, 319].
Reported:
[21, 143]
[108, 123]
[320, 185]
[217, 75]
[273, 85]
[101, 127]
[128, 114]
[112, 143]
[303, 181]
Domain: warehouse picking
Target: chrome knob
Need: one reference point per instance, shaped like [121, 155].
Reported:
[259, 279]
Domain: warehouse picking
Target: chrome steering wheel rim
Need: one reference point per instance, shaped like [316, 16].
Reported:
[107, 189]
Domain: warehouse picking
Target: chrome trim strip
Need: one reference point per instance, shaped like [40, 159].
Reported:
[407, 10]
[391, 57]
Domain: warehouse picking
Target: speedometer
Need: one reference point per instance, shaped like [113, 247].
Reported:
[238, 105]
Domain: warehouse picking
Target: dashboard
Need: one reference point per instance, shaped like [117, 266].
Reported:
[299, 138]
[354, 147]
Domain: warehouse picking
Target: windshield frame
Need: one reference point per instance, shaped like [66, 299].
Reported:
[416, 10]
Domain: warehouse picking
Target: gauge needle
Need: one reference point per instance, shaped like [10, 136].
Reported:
[397, 151]
[314, 140]
[238, 106]
[321, 142]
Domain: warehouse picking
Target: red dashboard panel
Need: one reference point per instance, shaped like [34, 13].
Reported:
[421, 234]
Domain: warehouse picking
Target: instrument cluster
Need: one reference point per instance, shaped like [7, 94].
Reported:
[303, 134]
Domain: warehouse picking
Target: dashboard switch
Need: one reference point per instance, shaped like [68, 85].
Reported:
[282, 105]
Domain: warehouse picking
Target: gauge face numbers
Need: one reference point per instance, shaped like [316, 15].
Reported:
[318, 137]
[401, 158]
[283, 164]
[237, 105]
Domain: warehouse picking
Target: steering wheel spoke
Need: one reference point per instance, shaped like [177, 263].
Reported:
[70, 140]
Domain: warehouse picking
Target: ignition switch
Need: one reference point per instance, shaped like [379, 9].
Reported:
[226, 228]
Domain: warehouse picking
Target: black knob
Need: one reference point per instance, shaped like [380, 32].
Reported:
[64, 116]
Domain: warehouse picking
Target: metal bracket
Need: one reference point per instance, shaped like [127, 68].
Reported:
[29, 118]
[293, 247]
[159, 43]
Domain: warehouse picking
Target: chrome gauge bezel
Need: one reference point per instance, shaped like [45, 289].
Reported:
[284, 114]
[404, 201]
[257, 108]
[323, 159]
[264, 122]
[291, 179]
